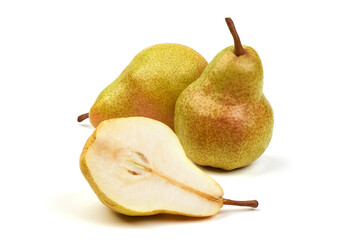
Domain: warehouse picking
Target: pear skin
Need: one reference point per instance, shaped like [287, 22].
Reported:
[149, 85]
[223, 119]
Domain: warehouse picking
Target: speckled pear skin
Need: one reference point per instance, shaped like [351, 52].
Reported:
[223, 119]
[150, 84]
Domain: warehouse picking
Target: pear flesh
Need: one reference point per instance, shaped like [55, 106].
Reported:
[149, 85]
[136, 166]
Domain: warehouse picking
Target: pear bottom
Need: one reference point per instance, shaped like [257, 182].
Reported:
[230, 137]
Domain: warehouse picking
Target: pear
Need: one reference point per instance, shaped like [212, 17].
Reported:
[223, 119]
[149, 85]
[137, 167]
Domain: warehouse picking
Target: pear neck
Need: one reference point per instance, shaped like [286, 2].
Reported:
[236, 91]
[236, 77]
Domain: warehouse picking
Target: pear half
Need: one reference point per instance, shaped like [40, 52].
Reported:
[137, 167]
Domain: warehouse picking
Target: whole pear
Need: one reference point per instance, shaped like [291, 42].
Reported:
[223, 119]
[149, 85]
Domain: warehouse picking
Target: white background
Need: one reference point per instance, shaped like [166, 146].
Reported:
[56, 57]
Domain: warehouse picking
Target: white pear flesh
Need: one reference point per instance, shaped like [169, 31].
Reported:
[137, 166]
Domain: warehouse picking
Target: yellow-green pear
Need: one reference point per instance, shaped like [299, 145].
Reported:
[149, 85]
[223, 119]
[136, 166]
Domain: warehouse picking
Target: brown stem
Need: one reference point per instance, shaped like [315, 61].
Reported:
[83, 117]
[238, 48]
[250, 203]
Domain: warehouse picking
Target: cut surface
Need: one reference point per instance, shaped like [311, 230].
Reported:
[137, 166]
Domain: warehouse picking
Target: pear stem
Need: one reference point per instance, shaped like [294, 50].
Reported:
[238, 48]
[82, 117]
[250, 203]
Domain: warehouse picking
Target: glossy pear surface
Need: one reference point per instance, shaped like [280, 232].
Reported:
[150, 84]
[223, 119]
[136, 166]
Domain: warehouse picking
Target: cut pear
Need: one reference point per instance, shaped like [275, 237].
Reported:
[137, 167]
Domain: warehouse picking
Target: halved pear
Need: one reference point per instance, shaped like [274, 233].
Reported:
[137, 167]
